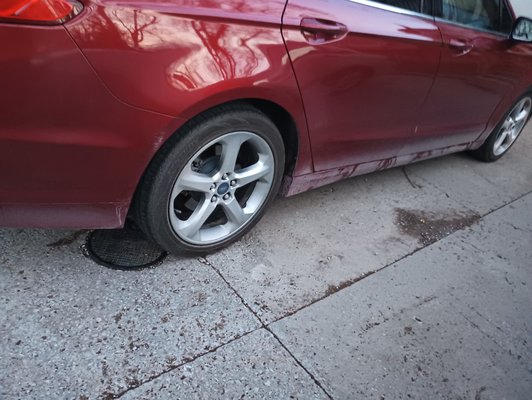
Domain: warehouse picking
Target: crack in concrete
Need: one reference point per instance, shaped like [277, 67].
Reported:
[314, 379]
[349, 284]
[518, 228]
[330, 292]
[463, 204]
[414, 185]
[477, 327]
[439, 189]
[340, 287]
[266, 327]
[332, 289]
[111, 396]
[289, 314]
[206, 262]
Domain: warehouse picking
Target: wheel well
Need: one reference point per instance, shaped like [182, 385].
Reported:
[277, 114]
[286, 125]
[282, 120]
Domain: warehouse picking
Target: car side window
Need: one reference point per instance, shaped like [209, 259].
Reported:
[491, 15]
[419, 6]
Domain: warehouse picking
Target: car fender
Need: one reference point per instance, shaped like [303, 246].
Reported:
[181, 60]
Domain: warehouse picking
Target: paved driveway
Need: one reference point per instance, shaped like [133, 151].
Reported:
[407, 283]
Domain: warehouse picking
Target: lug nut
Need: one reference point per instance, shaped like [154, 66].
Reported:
[227, 196]
[214, 198]
[225, 177]
[233, 182]
[213, 186]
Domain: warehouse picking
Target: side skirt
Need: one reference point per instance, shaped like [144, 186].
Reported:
[299, 184]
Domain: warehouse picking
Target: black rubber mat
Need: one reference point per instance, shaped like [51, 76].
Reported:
[124, 249]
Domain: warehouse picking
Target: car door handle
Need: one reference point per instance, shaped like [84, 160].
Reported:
[461, 47]
[318, 31]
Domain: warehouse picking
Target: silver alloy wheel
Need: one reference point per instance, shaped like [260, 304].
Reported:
[221, 187]
[512, 126]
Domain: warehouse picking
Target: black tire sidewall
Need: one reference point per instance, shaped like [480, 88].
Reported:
[486, 151]
[177, 155]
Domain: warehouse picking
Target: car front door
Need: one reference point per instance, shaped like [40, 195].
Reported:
[480, 66]
[364, 69]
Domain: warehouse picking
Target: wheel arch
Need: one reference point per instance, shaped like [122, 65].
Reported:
[503, 107]
[287, 127]
[285, 121]
[280, 116]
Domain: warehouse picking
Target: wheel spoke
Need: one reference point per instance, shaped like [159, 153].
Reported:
[190, 180]
[213, 193]
[230, 149]
[522, 115]
[235, 213]
[512, 126]
[521, 111]
[502, 138]
[254, 172]
[193, 224]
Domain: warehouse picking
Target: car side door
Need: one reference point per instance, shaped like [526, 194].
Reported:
[364, 69]
[479, 69]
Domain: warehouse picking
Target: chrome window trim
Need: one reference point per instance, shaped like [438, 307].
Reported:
[397, 10]
[431, 17]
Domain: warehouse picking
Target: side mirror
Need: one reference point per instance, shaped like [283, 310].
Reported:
[522, 30]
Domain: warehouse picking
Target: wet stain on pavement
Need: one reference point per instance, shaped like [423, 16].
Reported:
[429, 228]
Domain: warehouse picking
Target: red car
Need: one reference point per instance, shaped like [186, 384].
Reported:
[190, 116]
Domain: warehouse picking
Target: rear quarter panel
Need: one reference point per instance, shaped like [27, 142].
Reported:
[71, 154]
[181, 57]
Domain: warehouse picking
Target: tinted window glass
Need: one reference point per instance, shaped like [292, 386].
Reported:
[492, 15]
[506, 19]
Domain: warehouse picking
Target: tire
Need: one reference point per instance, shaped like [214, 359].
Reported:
[212, 181]
[507, 131]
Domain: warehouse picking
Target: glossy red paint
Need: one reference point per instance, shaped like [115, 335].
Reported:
[81, 135]
[192, 55]
[66, 142]
[362, 94]
[86, 105]
[478, 71]
[48, 12]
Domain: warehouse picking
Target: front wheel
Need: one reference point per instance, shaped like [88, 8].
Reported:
[507, 132]
[211, 184]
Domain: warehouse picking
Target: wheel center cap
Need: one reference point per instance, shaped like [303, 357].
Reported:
[223, 188]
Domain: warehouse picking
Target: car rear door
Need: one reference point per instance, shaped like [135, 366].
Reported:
[480, 67]
[364, 69]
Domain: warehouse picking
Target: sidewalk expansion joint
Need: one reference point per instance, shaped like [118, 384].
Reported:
[351, 282]
[266, 327]
[310, 374]
[332, 290]
[206, 262]
[187, 360]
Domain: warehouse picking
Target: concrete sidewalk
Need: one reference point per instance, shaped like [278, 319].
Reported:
[453, 320]
[408, 283]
